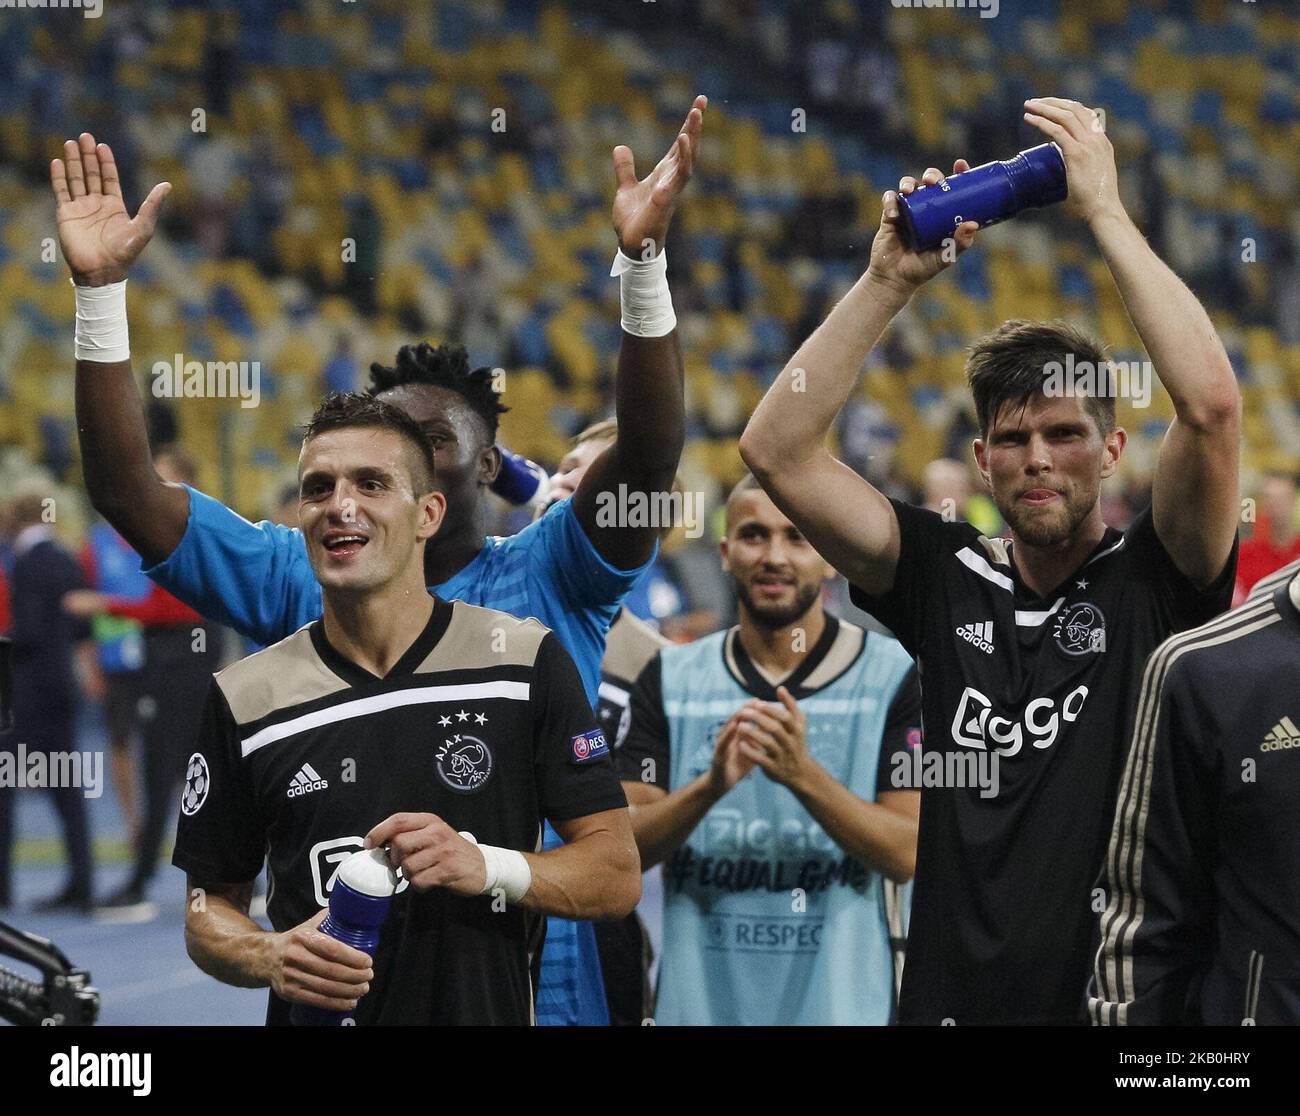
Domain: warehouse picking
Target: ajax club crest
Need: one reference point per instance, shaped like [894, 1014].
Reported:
[1080, 629]
[464, 763]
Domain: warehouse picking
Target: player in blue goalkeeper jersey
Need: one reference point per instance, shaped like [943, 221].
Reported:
[570, 569]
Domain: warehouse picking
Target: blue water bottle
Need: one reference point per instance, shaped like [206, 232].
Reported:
[521, 481]
[359, 904]
[986, 194]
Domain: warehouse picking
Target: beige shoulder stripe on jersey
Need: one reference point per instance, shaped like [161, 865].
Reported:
[484, 637]
[281, 676]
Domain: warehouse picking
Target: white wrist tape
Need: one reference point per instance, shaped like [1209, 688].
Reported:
[505, 869]
[101, 323]
[643, 292]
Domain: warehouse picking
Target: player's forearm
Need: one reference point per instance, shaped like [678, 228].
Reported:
[880, 838]
[651, 432]
[661, 827]
[228, 945]
[799, 408]
[118, 466]
[596, 876]
[651, 411]
[1178, 335]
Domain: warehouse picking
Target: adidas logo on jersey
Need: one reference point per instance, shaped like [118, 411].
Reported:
[978, 635]
[306, 781]
[1284, 734]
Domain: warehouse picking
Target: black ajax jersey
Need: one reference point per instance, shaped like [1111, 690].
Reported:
[483, 722]
[1003, 916]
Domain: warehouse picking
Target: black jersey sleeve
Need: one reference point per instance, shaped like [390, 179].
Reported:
[924, 540]
[220, 836]
[575, 776]
[902, 738]
[642, 752]
[1158, 922]
[1189, 606]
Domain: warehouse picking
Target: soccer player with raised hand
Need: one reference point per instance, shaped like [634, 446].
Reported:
[1031, 647]
[393, 720]
[570, 569]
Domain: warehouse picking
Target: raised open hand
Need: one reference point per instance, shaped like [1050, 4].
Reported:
[642, 209]
[1080, 133]
[98, 239]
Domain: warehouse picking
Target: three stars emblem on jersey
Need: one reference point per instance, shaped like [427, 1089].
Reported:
[462, 716]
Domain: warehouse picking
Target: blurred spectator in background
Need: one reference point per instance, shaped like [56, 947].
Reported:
[1118, 502]
[656, 597]
[475, 318]
[285, 509]
[948, 490]
[45, 643]
[1276, 540]
[214, 168]
[945, 488]
[270, 189]
[1286, 287]
[341, 374]
[111, 567]
[365, 231]
[181, 653]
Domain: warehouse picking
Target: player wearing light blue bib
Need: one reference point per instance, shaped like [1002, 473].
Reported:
[760, 765]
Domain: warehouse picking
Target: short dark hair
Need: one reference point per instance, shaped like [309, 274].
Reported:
[446, 366]
[747, 483]
[1009, 365]
[344, 410]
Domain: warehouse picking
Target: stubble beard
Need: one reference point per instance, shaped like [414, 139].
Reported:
[774, 618]
[1035, 529]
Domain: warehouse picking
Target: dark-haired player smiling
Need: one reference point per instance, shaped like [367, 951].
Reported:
[1002, 914]
[377, 688]
[568, 569]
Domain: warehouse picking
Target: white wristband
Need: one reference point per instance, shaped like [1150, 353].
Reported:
[643, 292]
[101, 323]
[503, 868]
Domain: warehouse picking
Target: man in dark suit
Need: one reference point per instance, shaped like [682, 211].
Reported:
[44, 685]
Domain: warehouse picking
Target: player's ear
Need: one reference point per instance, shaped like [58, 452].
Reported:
[433, 506]
[489, 464]
[1116, 440]
[981, 450]
[726, 557]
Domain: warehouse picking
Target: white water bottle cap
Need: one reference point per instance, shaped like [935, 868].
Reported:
[368, 873]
